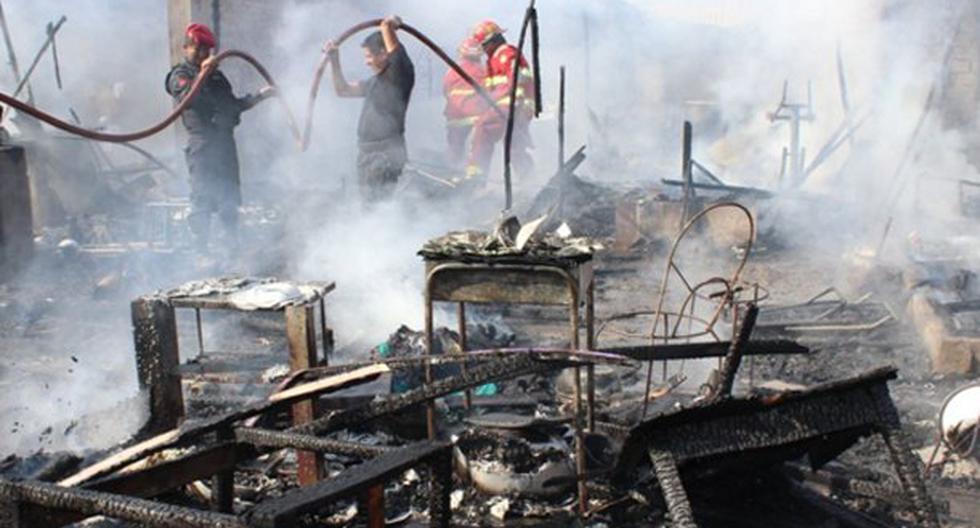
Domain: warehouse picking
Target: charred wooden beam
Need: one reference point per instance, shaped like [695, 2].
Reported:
[172, 474]
[284, 511]
[282, 440]
[706, 350]
[505, 368]
[736, 189]
[734, 357]
[28, 505]
[194, 431]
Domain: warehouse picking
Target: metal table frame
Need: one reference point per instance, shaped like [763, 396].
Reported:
[514, 283]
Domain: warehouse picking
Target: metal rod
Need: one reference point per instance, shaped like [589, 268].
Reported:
[590, 344]
[430, 409]
[583, 491]
[12, 56]
[200, 332]
[512, 106]
[561, 120]
[686, 176]
[54, 56]
[536, 65]
[37, 58]
[461, 318]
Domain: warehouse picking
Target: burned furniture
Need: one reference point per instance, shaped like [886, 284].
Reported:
[825, 316]
[225, 444]
[157, 354]
[220, 443]
[458, 268]
[730, 433]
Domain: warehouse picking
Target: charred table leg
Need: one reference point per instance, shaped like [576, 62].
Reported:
[665, 467]
[371, 506]
[440, 486]
[301, 336]
[909, 475]
[223, 483]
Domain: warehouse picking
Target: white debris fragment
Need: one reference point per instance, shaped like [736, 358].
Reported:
[563, 231]
[274, 373]
[499, 507]
[455, 499]
[410, 476]
[527, 232]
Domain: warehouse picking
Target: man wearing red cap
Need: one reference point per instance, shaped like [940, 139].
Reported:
[463, 105]
[381, 152]
[489, 127]
[211, 153]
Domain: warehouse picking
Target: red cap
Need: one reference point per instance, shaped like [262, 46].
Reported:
[200, 34]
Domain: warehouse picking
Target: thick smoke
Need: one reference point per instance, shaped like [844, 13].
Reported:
[636, 71]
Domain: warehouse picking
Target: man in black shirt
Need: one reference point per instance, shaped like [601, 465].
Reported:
[381, 129]
[210, 120]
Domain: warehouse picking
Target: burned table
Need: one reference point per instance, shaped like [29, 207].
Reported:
[510, 280]
[733, 433]
[129, 496]
[158, 359]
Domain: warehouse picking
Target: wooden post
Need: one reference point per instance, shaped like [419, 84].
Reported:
[16, 222]
[158, 361]
[372, 504]
[223, 483]
[301, 336]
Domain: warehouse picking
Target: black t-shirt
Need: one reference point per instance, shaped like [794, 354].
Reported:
[386, 99]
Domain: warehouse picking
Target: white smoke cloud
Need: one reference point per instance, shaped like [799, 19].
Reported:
[642, 68]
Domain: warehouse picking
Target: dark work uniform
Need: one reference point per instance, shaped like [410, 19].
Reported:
[381, 152]
[212, 157]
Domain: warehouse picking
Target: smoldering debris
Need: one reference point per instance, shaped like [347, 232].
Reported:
[795, 423]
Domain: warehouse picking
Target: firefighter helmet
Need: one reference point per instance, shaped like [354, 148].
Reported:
[484, 31]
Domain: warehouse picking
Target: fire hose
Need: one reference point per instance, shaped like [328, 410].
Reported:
[325, 58]
[302, 138]
[174, 114]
